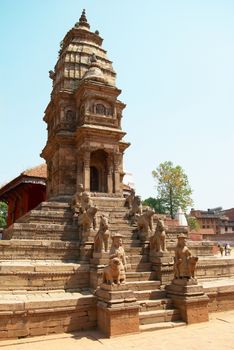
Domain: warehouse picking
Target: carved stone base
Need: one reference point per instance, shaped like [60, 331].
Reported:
[100, 258]
[161, 263]
[98, 262]
[88, 236]
[188, 296]
[117, 310]
[86, 249]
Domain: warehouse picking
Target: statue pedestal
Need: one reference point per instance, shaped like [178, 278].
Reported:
[86, 245]
[188, 296]
[101, 258]
[86, 249]
[98, 262]
[161, 264]
[88, 236]
[117, 310]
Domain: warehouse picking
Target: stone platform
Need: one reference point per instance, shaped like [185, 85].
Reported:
[46, 282]
[28, 313]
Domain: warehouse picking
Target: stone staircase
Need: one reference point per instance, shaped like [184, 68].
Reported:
[43, 277]
[155, 310]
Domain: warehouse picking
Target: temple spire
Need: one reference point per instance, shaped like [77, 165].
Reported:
[83, 21]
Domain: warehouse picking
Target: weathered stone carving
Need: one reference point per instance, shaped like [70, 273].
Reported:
[117, 251]
[101, 239]
[112, 273]
[70, 116]
[76, 200]
[158, 240]
[136, 207]
[100, 109]
[144, 224]
[184, 262]
[130, 198]
[87, 221]
[86, 201]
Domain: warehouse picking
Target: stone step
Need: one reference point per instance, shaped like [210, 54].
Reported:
[41, 231]
[141, 267]
[43, 275]
[53, 206]
[39, 249]
[143, 285]
[158, 304]
[158, 316]
[108, 202]
[141, 276]
[133, 259]
[130, 249]
[47, 216]
[40, 236]
[150, 294]
[161, 325]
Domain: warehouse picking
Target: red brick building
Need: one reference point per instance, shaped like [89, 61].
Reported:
[214, 221]
[24, 192]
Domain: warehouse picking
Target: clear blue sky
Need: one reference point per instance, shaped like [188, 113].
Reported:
[175, 65]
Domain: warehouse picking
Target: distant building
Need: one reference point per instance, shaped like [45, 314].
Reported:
[214, 221]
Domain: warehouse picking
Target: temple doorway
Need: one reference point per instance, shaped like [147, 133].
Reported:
[98, 171]
[94, 179]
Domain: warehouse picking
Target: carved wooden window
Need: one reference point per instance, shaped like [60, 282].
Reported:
[70, 116]
[100, 109]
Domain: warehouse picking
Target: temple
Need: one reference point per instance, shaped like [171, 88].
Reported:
[85, 140]
[86, 257]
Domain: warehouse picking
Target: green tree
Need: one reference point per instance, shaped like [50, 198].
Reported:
[3, 214]
[193, 223]
[156, 204]
[173, 187]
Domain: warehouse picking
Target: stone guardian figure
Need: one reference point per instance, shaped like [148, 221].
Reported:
[145, 224]
[158, 240]
[117, 251]
[101, 239]
[184, 262]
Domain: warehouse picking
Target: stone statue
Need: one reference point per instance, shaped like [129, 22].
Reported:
[87, 221]
[112, 273]
[86, 201]
[101, 239]
[130, 198]
[158, 240]
[117, 251]
[145, 223]
[184, 262]
[136, 208]
[76, 200]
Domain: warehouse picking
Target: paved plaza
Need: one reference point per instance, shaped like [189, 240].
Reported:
[214, 335]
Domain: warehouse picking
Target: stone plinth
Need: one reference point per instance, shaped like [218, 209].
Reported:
[100, 258]
[98, 262]
[86, 249]
[88, 236]
[117, 310]
[161, 263]
[188, 296]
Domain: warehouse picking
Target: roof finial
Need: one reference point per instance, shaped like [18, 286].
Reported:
[83, 21]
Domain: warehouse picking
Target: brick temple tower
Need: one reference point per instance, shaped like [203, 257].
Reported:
[83, 119]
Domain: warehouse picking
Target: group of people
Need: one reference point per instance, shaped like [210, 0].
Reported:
[226, 249]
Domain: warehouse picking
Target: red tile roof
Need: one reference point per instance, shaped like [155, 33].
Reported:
[37, 171]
